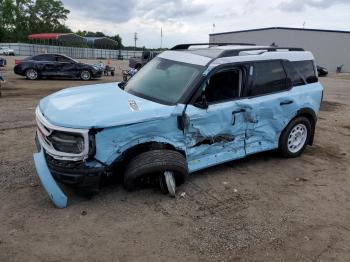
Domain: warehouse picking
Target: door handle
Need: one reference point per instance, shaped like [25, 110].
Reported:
[286, 102]
[242, 110]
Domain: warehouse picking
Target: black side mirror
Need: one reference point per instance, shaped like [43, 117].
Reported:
[122, 85]
[203, 103]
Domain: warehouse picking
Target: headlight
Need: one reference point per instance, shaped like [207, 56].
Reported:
[67, 142]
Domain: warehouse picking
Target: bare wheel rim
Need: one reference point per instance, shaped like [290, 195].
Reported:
[297, 138]
[170, 182]
[32, 74]
[85, 75]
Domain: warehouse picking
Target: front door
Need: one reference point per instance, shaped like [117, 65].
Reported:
[66, 67]
[216, 134]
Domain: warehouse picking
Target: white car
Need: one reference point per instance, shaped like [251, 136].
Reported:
[6, 51]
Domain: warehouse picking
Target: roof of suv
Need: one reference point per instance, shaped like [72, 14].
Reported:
[226, 53]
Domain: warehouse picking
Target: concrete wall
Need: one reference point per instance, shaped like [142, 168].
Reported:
[330, 49]
[74, 52]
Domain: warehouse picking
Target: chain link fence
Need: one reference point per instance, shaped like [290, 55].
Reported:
[74, 52]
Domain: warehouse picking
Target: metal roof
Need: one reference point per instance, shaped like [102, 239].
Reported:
[100, 41]
[62, 37]
[284, 28]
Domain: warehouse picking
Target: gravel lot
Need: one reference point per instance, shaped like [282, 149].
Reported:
[262, 208]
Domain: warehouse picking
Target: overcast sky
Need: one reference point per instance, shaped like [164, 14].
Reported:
[192, 20]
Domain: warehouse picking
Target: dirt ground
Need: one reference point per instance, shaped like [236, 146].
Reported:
[262, 208]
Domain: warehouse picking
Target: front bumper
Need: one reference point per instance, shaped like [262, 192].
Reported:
[53, 190]
[78, 174]
[97, 74]
[50, 170]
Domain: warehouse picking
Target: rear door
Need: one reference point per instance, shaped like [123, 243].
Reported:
[46, 64]
[269, 105]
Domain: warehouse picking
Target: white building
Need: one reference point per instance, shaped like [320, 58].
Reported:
[331, 48]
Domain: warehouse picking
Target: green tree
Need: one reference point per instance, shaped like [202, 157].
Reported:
[118, 39]
[48, 16]
[19, 18]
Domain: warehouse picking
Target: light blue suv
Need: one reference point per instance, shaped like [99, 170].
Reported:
[188, 109]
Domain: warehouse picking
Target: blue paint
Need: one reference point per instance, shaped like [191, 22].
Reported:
[223, 132]
[55, 193]
[99, 106]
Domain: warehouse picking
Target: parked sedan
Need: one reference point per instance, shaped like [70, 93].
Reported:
[54, 65]
[6, 51]
[322, 71]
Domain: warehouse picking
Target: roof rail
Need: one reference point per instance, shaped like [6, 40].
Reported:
[236, 52]
[187, 46]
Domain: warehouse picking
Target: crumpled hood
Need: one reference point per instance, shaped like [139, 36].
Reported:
[99, 106]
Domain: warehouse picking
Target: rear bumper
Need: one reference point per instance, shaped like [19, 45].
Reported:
[18, 71]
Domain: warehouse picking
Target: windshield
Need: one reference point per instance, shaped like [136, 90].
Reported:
[163, 80]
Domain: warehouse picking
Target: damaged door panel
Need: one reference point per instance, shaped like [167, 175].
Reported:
[214, 135]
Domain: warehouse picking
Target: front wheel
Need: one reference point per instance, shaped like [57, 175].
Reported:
[295, 137]
[167, 167]
[85, 75]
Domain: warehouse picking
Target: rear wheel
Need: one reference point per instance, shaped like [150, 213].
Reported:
[295, 137]
[168, 168]
[32, 74]
[85, 75]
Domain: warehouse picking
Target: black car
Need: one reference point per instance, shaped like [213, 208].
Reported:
[2, 62]
[54, 65]
[322, 71]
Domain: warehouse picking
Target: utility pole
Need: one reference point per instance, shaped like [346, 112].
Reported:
[213, 41]
[135, 39]
[161, 37]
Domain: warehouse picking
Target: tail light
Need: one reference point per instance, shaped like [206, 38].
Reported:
[17, 61]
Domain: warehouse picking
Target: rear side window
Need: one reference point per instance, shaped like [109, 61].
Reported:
[301, 72]
[269, 77]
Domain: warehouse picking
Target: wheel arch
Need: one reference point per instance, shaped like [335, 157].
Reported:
[310, 114]
[121, 161]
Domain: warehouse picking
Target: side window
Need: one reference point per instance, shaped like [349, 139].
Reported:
[301, 72]
[269, 77]
[296, 78]
[223, 86]
[43, 58]
[63, 59]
